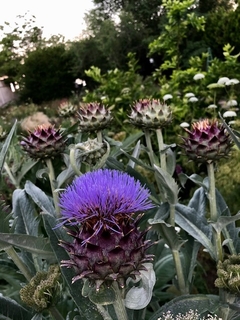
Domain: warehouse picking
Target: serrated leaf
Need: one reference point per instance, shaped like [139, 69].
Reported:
[167, 232]
[198, 202]
[12, 310]
[187, 218]
[32, 244]
[223, 222]
[115, 152]
[6, 145]
[231, 231]
[137, 161]
[40, 198]
[168, 185]
[135, 154]
[24, 213]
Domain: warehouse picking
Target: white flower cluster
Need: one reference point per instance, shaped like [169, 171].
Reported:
[190, 315]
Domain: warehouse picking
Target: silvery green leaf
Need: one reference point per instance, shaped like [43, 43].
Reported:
[187, 218]
[39, 197]
[168, 185]
[24, 213]
[32, 244]
[6, 145]
[12, 310]
[138, 297]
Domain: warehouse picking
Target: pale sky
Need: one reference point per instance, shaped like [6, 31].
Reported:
[55, 16]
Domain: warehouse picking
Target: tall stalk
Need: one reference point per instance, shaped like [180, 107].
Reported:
[52, 180]
[213, 210]
[161, 148]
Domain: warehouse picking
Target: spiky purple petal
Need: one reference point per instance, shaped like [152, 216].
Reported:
[101, 197]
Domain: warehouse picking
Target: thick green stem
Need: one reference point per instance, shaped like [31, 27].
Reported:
[118, 305]
[18, 262]
[55, 313]
[172, 214]
[177, 260]
[149, 146]
[179, 271]
[161, 148]
[52, 180]
[212, 192]
[103, 312]
[213, 210]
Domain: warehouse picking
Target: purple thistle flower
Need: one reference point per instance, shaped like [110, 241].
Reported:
[101, 197]
[108, 246]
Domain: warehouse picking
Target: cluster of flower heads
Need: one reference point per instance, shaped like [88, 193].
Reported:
[190, 315]
[228, 272]
[43, 290]
[99, 210]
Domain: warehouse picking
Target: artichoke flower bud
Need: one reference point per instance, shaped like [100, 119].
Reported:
[228, 273]
[66, 109]
[92, 151]
[94, 117]
[98, 211]
[44, 142]
[207, 142]
[43, 289]
[150, 114]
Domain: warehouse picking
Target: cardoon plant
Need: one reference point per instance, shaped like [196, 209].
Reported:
[100, 211]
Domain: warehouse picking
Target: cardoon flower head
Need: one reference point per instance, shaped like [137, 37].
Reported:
[100, 207]
[43, 142]
[207, 142]
[94, 116]
[228, 274]
[66, 109]
[151, 114]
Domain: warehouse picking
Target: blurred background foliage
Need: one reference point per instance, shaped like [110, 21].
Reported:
[131, 50]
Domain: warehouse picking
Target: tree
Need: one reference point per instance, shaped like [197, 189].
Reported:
[48, 74]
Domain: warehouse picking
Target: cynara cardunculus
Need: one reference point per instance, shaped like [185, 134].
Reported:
[94, 116]
[150, 114]
[44, 142]
[100, 209]
[207, 142]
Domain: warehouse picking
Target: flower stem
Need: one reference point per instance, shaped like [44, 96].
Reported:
[161, 148]
[103, 312]
[179, 271]
[213, 210]
[52, 180]
[149, 146]
[118, 305]
[172, 214]
[18, 262]
[55, 313]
